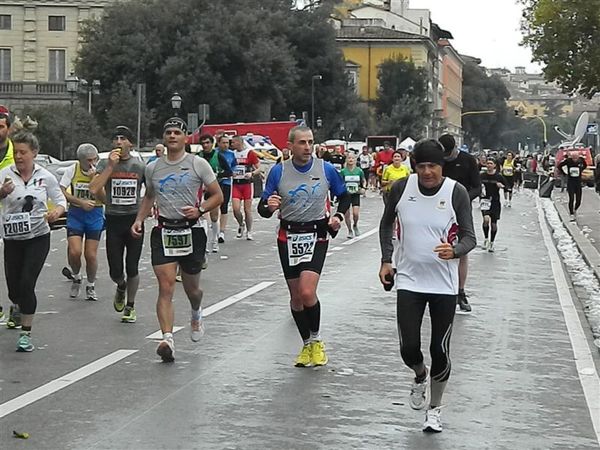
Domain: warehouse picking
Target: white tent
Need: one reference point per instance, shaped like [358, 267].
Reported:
[408, 144]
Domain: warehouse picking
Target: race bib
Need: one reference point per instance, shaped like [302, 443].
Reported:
[508, 171]
[124, 191]
[18, 224]
[82, 190]
[485, 204]
[352, 187]
[177, 242]
[239, 172]
[574, 171]
[301, 247]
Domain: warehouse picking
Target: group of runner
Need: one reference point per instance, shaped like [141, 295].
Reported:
[425, 233]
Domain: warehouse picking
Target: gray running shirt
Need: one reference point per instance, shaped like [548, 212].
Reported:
[176, 184]
[123, 187]
[303, 195]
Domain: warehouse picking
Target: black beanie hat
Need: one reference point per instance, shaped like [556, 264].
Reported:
[124, 131]
[448, 141]
[175, 122]
[428, 151]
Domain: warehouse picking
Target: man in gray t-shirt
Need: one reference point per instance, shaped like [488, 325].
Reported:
[120, 179]
[175, 183]
[123, 185]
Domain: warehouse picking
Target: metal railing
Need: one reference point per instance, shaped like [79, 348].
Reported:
[33, 87]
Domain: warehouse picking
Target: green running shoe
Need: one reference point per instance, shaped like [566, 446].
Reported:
[14, 317]
[129, 315]
[119, 301]
[24, 343]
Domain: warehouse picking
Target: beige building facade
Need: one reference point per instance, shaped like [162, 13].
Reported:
[38, 46]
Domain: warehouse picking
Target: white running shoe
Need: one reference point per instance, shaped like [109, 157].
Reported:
[240, 232]
[249, 236]
[221, 237]
[350, 235]
[486, 244]
[196, 329]
[75, 287]
[491, 247]
[215, 247]
[419, 393]
[166, 350]
[433, 420]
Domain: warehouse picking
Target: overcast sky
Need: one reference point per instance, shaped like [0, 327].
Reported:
[486, 29]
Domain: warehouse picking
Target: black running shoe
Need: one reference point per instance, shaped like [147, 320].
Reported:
[462, 302]
[67, 273]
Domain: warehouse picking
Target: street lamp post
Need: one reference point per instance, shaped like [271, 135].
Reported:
[72, 83]
[312, 98]
[176, 103]
[92, 90]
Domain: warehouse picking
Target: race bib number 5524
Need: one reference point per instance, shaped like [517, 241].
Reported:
[301, 247]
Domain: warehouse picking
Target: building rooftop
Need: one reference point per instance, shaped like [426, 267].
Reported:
[375, 32]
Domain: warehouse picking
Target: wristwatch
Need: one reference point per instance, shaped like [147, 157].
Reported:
[201, 210]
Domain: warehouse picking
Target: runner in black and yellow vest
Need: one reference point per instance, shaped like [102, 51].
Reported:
[85, 219]
[6, 151]
[508, 172]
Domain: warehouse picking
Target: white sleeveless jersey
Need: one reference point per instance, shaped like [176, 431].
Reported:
[424, 223]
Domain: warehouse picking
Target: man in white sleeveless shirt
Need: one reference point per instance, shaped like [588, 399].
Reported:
[435, 228]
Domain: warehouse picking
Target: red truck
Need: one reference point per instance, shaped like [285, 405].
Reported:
[277, 132]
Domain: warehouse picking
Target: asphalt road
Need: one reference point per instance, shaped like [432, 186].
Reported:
[96, 383]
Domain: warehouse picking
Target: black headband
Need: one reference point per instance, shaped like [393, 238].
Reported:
[124, 131]
[175, 122]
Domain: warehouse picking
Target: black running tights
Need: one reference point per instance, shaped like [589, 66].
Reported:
[23, 263]
[574, 197]
[410, 310]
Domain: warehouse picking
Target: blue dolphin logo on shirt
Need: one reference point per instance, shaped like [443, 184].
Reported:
[302, 193]
[172, 182]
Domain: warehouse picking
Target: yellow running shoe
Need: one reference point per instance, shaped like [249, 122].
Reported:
[317, 353]
[304, 357]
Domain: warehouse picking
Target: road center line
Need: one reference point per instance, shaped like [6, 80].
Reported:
[362, 236]
[590, 382]
[60, 383]
[209, 310]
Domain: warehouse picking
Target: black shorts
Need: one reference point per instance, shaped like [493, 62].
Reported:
[493, 212]
[316, 265]
[366, 173]
[226, 189]
[355, 199]
[190, 264]
[509, 184]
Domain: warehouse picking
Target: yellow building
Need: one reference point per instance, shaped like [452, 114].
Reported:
[561, 106]
[366, 47]
[38, 46]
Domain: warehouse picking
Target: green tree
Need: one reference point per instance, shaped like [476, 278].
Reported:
[484, 93]
[248, 59]
[123, 111]
[59, 135]
[564, 35]
[401, 106]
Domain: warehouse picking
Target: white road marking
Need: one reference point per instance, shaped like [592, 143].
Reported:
[209, 310]
[236, 298]
[53, 386]
[362, 236]
[589, 379]
[157, 335]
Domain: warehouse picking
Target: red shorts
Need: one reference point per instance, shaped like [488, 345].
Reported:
[242, 191]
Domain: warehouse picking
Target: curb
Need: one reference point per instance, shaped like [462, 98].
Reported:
[588, 251]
